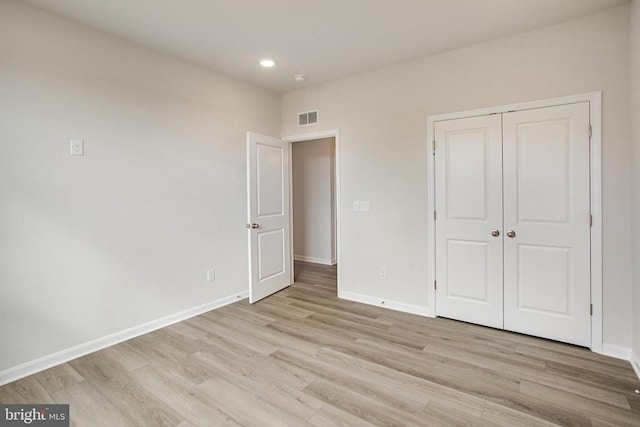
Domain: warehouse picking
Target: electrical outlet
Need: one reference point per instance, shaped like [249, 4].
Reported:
[361, 206]
[211, 275]
[77, 147]
[383, 273]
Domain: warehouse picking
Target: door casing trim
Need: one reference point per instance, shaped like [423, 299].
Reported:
[595, 118]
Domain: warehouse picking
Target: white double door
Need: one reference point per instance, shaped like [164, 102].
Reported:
[513, 221]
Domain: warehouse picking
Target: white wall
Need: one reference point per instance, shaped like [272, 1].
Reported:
[93, 245]
[313, 200]
[383, 149]
[635, 122]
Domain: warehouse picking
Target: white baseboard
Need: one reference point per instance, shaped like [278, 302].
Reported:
[616, 351]
[385, 303]
[324, 261]
[635, 363]
[49, 361]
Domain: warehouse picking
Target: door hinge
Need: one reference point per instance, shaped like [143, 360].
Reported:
[590, 131]
[434, 215]
[591, 309]
[590, 220]
[435, 284]
[433, 146]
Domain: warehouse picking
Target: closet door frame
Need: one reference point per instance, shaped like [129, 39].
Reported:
[595, 117]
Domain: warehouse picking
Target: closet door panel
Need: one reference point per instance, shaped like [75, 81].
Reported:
[469, 207]
[547, 211]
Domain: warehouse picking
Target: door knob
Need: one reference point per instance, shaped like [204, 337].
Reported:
[511, 234]
[253, 225]
[495, 233]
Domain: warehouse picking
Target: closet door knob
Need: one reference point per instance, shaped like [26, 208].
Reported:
[511, 234]
[495, 233]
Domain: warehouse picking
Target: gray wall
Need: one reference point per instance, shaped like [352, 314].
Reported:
[94, 245]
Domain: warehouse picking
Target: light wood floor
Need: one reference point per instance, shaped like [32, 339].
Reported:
[303, 357]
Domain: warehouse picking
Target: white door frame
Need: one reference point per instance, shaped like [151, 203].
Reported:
[595, 113]
[334, 133]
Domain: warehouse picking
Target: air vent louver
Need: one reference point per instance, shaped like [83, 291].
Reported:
[308, 118]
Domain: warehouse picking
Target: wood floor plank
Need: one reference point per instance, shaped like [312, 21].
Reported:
[180, 393]
[114, 382]
[231, 333]
[491, 385]
[462, 375]
[526, 368]
[602, 422]
[58, 378]
[247, 408]
[479, 355]
[186, 330]
[601, 366]
[279, 386]
[164, 354]
[357, 329]
[442, 412]
[129, 357]
[358, 381]
[26, 390]
[590, 407]
[547, 345]
[444, 334]
[408, 383]
[312, 308]
[507, 417]
[361, 405]
[259, 368]
[247, 314]
[329, 415]
[87, 407]
[583, 376]
[634, 400]
[304, 357]
[271, 335]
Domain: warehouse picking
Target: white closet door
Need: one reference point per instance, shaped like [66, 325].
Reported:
[469, 272]
[547, 211]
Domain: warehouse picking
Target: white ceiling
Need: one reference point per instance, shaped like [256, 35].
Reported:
[324, 39]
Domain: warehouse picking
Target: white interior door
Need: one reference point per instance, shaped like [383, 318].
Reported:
[547, 223]
[468, 167]
[269, 215]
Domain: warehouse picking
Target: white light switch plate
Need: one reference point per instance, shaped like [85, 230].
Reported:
[77, 147]
[361, 206]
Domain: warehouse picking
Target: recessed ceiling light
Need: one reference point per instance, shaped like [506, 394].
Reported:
[267, 63]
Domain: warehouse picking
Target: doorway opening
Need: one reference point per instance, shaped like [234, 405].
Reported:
[315, 233]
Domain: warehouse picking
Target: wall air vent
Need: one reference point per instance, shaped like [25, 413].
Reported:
[308, 118]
